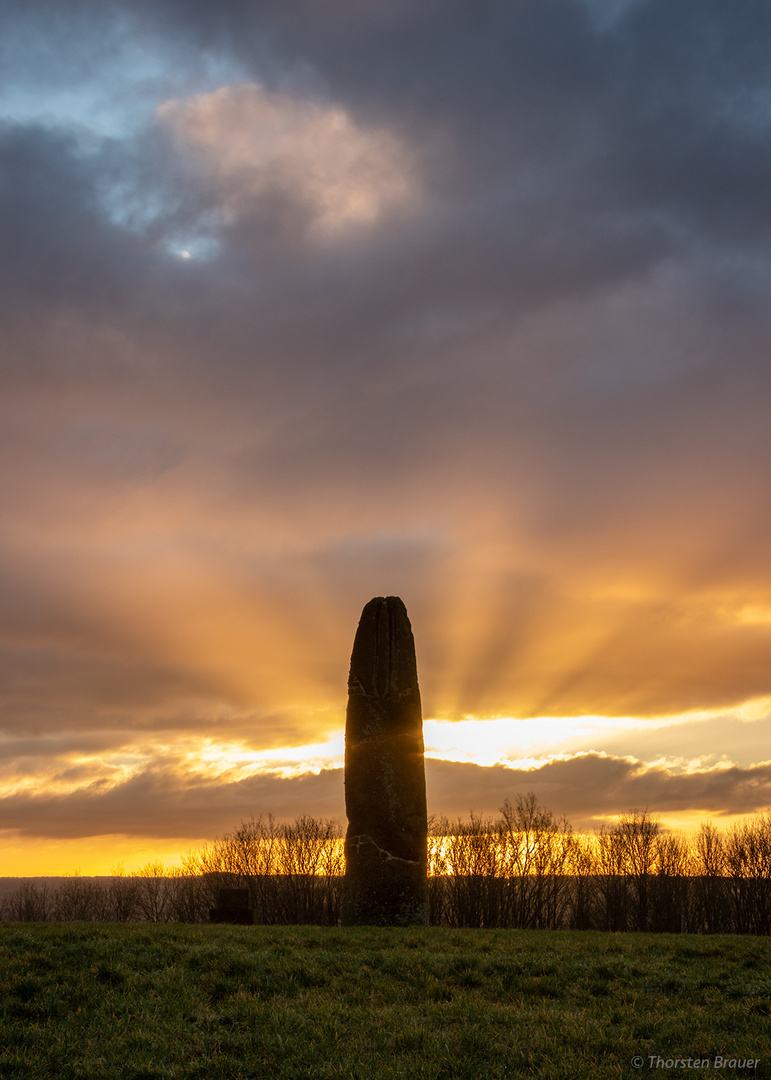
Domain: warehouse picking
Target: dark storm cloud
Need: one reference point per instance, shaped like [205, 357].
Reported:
[57, 246]
[65, 254]
[551, 125]
[571, 158]
[662, 109]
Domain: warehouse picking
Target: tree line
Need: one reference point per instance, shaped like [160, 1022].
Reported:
[523, 868]
[527, 868]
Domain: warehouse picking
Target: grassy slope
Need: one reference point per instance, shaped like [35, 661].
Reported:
[139, 1001]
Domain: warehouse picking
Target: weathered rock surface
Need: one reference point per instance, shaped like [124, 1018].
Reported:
[385, 784]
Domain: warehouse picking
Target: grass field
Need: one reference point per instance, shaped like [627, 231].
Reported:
[134, 1002]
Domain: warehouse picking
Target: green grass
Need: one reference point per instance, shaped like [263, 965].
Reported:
[134, 1002]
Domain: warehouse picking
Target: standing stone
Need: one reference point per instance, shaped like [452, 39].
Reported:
[385, 783]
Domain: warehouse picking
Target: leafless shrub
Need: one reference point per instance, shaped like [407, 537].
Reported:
[243, 858]
[188, 896]
[524, 868]
[537, 850]
[123, 896]
[612, 883]
[437, 868]
[292, 871]
[584, 892]
[80, 900]
[514, 870]
[710, 896]
[310, 862]
[748, 868]
[28, 903]
[670, 889]
[153, 893]
[469, 854]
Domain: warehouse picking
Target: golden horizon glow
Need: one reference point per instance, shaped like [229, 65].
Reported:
[92, 856]
[526, 745]
[103, 856]
[507, 741]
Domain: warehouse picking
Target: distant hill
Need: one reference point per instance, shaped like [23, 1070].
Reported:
[9, 885]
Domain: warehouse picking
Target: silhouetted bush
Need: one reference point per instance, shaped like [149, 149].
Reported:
[524, 868]
[80, 900]
[293, 871]
[709, 895]
[123, 897]
[30, 902]
[747, 850]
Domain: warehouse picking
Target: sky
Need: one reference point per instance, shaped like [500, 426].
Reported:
[309, 301]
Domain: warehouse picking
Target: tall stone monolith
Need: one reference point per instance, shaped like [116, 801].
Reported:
[385, 783]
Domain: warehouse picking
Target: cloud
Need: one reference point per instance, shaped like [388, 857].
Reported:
[475, 314]
[255, 144]
[588, 788]
[160, 802]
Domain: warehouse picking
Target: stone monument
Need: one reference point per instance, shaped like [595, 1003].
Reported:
[385, 783]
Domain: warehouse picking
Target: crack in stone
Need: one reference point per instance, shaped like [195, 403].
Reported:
[386, 856]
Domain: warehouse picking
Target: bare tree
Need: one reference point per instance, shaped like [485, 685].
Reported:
[438, 831]
[188, 896]
[748, 866]
[122, 896]
[584, 893]
[709, 885]
[473, 885]
[81, 900]
[537, 849]
[292, 871]
[308, 850]
[612, 881]
[670, 888]
[627, 855]
[28, 903]
[639, 834]
[525, 868]
[153, 892]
